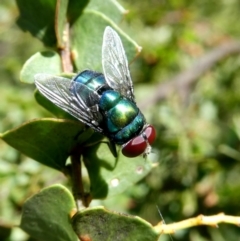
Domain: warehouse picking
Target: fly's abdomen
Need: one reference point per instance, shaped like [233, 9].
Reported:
[130, 131]
[123, 120]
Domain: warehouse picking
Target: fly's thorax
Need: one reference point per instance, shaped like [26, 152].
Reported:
[93, 80]
[108, 100]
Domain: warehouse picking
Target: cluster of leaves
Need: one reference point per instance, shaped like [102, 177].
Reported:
[66, 31]
[198, 139]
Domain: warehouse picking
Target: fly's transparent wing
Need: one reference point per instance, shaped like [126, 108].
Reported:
[73, 97]
[115, 64]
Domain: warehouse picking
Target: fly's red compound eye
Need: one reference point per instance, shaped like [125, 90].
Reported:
[135, 147]
[150, 134]
[138, 144]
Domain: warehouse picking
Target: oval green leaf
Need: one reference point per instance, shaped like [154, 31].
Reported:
[98, 223]
[87, 40]
[38, 17]
[75, 8]
[47, 62]
[46, 215]
[48, 141]
[110, 8]
[109, 175]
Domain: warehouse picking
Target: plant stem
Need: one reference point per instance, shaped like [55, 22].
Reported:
[81, 198]
[65, 52]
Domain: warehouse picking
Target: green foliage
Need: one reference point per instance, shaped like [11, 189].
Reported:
[90, 223]
[50, 64]
[109, 176]
[49, 211]
[51, 141]
[86, 49]
[197, 148]
[42, 27]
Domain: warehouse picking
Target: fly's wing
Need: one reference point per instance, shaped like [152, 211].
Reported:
[115, 64]
[73, 97]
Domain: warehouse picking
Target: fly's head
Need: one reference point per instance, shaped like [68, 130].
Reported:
[140, 144]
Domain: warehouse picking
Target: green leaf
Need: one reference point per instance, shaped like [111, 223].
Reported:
[75, 8]
[48, 62]
[48, 141]
[46, 215]
[87, 40]
[45, 19]
[97, 224]
[111, 176]
[38, 17]
[111, 8]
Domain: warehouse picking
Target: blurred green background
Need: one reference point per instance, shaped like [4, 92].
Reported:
[198, 142]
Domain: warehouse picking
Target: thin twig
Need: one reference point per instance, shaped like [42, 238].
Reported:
[77, 185]
[213, 221]
[65, 52]
[181, 82]
[81, 198]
